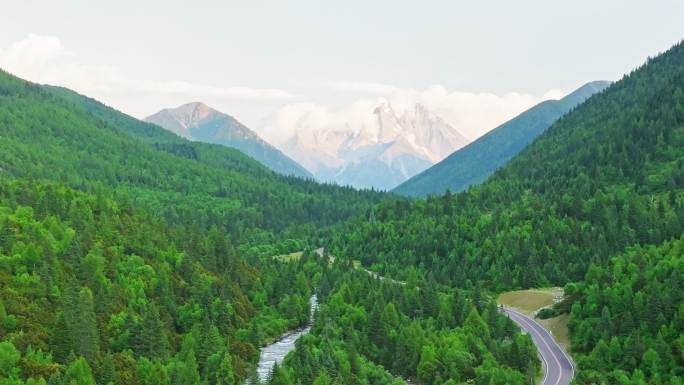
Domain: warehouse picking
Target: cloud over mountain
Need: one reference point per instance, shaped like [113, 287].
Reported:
[45, 59]
[471, 113]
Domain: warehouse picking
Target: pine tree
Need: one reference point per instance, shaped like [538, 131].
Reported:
[210, 343]
[428, 365]
[73, 252]
[78, 373]
[187, 372]
[3, 318]
[322, 379]
[354, 363]
[85, 332]
[476, 325]
[105, 371]
[60, 340]
[6, 236]
[225, 374]
[149, 338]
[9, 357]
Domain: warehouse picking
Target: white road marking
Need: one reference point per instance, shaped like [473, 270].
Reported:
[567, 357]
[534, 326]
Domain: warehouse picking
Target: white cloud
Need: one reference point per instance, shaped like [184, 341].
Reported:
[363, 87]
[33, 53]
[182, 87]
[44, 59]
[472, 114]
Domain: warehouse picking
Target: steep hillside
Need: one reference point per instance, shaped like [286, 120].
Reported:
[628, 320]
[129, 255]
[92, 291]
[212, 155]
[423, 334]
[57, 135]
[606, 177]
[477, 161]
[199, 122]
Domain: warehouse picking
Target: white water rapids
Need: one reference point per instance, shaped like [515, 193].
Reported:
[275, 353]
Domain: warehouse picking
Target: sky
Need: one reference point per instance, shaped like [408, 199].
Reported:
[276, 65]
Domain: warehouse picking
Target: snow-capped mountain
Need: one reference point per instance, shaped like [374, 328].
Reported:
[383, 150]
[199, 122]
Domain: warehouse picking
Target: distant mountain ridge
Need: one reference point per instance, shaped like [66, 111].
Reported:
[478, 160]
[198, 122]
[386, 149]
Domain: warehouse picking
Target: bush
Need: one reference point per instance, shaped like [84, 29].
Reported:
[546, 313]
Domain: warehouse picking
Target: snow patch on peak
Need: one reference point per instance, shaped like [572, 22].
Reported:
[387, 146]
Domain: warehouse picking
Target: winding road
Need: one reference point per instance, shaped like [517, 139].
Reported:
[558, 368]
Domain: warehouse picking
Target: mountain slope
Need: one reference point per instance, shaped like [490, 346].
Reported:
[384, 149]
[130, 255]
[198, 122]
[54, 134]
[109, 283]
[605, 178]
[216, 156]
[628, 318]
[478, 160]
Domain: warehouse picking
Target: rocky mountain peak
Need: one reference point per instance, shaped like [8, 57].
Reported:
[390, 146]
[199, 122]
[191, 114]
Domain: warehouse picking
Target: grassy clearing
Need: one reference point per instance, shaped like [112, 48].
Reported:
[531, 301]
[558, 326]
[289, 257]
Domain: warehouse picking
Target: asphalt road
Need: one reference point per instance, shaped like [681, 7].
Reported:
[558, 368]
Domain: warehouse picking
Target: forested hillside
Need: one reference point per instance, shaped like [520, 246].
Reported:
[199, 122]
[629, 318]
[478, 160]
[373, 331]
[55, 134]
[95, 291]
[131, 256]
[605, 178]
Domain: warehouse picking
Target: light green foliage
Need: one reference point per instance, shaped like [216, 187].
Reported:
[9, 357]
[115, 287]
[368, 331]
[597, 199]
[129, 255]
[225, 374]
[78, 373]
[322, 379]
[118, 240]
[627, 313]
[606, 176]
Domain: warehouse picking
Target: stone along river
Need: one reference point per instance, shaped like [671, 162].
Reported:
[275, 353]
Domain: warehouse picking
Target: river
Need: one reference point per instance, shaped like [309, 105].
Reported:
[275, 353]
